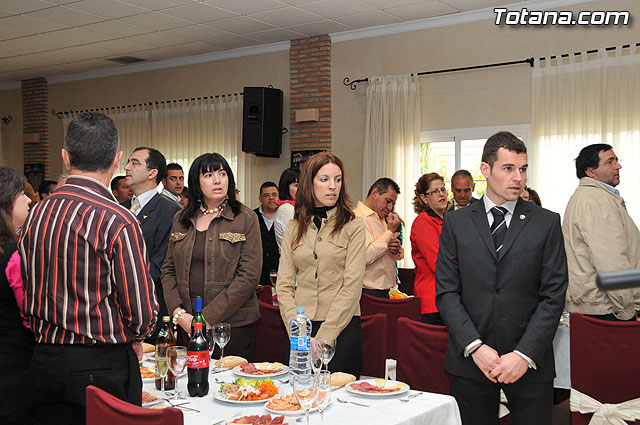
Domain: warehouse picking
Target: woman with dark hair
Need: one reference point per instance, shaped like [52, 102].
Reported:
[287, 189]
[16, 340]
[322, 261]
[215, 252]
[430, 203]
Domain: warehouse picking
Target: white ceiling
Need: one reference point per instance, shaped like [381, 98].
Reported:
[47, 38]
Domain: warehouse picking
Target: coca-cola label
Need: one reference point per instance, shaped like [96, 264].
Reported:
[300, 343]
[198, 359]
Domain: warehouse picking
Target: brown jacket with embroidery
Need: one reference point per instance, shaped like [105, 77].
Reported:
[233, 264]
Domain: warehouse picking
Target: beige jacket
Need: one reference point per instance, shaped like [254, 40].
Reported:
[599, 235]
[234, 263]
[328, 269]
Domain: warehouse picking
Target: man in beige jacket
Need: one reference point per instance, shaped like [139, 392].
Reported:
[599, 235]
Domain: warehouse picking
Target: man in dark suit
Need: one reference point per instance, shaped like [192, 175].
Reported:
[265, 212]
[462, 187]
[145, 169]
[501, 278]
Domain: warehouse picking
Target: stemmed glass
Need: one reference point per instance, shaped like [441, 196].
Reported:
[305, 389]
[328, 346]
[324, 391]
[221, 335]
[177, 357]
[162, 365]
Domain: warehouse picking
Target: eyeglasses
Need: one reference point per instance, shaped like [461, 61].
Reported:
[133, 162]
[435, 192]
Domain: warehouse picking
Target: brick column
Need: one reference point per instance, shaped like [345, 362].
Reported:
[310, 87]
[35, 127]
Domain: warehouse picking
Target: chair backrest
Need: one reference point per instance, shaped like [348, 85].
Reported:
[374, 345]
[605, 361]
[106, 409]
[265, 294]
[421, 356]
[409, 307]
[407, 279]
[272, 339]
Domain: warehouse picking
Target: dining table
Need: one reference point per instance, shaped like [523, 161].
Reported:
[424, 409]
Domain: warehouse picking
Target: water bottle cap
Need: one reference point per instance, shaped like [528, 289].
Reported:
[300, 310]
[198, 304]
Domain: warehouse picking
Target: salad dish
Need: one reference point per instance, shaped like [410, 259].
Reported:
[244, 390]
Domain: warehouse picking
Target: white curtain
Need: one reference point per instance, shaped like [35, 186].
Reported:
[392, 138]
[183, 130]
[578, 101]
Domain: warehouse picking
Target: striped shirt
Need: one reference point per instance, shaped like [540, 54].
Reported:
[85, 268]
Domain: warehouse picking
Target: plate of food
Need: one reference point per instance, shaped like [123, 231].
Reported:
[148, 374]
[340, 379]
[230, 362]
[259, 420]
[149, 399]
[377, 387]
[263, 370]
[289, 406]
[245, 391]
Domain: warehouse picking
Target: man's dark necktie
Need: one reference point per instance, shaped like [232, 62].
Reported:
[499, 226]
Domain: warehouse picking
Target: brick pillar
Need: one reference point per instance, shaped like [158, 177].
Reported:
[35, 129]
[310, 80]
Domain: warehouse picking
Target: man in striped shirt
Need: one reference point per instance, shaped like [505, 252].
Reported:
[88, 290]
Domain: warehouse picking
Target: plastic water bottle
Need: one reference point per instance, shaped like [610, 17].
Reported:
[300, 331]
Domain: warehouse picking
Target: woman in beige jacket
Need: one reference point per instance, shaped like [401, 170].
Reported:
[215, 251]
[324, 252]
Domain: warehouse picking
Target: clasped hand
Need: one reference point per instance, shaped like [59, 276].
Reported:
[505, 369]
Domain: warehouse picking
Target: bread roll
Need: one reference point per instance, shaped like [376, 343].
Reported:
[148, 348]
[231, 361]
[340, 379]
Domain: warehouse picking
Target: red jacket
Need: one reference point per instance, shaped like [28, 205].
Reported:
[425, 235]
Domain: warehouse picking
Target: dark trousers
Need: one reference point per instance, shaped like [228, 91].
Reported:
[432, 319]
[15, 357]
[60, 374]
[242, 342]
[610, 317]
[348, 355]
[378, 293]
[479, 400]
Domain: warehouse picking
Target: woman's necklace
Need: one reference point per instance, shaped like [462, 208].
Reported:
[215, 210]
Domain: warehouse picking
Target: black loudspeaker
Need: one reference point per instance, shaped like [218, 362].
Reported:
[262, 121]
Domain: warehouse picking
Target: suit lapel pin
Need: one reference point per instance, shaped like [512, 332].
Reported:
[144, 217]
[522, 216]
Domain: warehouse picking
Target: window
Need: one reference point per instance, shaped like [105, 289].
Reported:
[445, 151]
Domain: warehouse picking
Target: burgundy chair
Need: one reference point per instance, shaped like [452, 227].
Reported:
[272, 339]
[421, 356]
[374, 345]
[605, 361]
[265, 294]
[407, 280]
[106, 409]
[409, 307]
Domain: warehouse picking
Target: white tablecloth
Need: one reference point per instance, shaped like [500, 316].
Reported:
[561, 355]
[426, 409]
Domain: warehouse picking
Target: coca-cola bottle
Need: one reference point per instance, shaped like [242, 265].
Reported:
[198, 363]
[166, 338]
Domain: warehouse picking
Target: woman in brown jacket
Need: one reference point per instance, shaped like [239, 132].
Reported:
[324, 252]
[215, 251]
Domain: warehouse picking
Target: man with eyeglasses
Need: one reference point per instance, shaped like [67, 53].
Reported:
[599, 236]
[383, 246]
[145, 169]
[462, 186]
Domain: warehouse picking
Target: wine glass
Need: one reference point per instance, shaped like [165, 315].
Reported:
[273, 277]
[221, 335]
[324, 391]
[162, 365]
[305, 389]
[177, 358]
[328, 350]
[316, 356]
